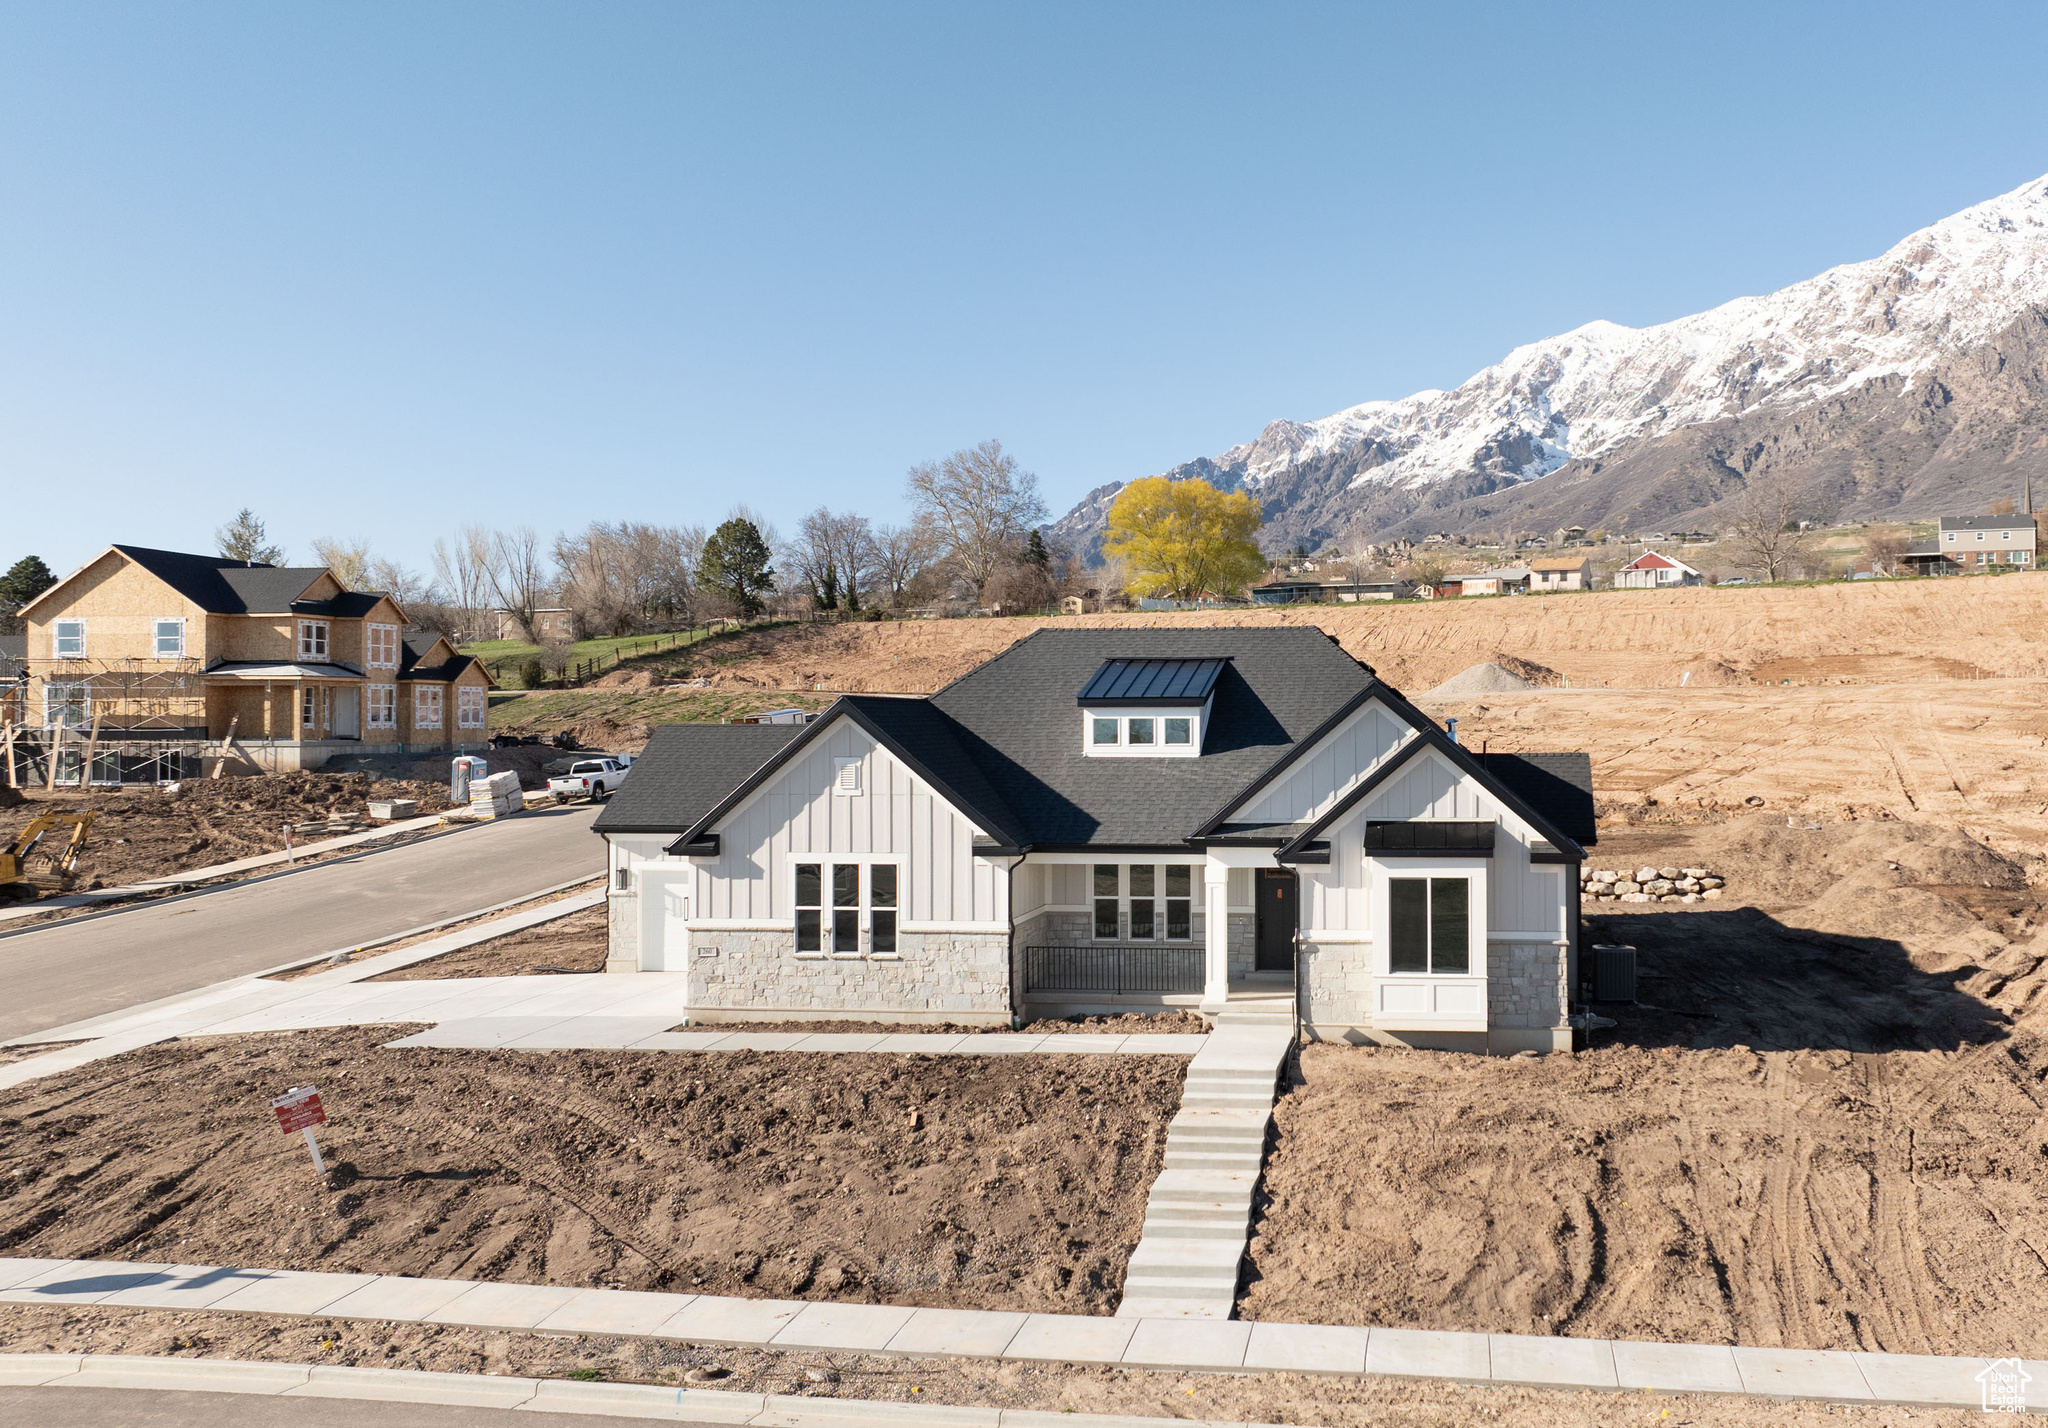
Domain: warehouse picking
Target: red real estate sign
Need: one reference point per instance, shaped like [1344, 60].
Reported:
[297, 1110]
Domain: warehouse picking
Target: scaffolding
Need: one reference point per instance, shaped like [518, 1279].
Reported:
[106, 721]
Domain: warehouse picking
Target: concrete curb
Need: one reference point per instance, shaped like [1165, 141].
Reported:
[552, 1395]
[1187, 1345]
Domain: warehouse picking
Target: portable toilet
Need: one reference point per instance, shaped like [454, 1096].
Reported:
[468, 769]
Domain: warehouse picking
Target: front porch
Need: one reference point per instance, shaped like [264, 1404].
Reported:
[1105, 979]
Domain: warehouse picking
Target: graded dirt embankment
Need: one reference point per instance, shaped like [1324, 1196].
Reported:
[1868, 631]
[953, 1182]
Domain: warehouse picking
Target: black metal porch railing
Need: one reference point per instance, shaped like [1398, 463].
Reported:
[1115, 970]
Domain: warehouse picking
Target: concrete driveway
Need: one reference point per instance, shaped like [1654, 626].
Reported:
[69, 971]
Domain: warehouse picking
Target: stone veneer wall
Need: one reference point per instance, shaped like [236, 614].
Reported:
[622, 916]
[1338, 981]
[948, 976]
[1243, 947]
[1525, 984]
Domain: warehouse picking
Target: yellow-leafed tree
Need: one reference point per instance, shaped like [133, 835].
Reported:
[1185, 539]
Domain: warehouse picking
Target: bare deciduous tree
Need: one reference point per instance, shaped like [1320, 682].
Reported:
[1886, 548]
[833, 558]
[461, 567]
[901, 553]
[516, 570]
[978, 506]
[348, 560]
[1765, 533]
[630, 577]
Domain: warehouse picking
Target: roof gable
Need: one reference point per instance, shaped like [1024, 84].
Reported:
[688, 769]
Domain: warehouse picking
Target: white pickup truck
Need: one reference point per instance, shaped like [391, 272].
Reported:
[590, 778]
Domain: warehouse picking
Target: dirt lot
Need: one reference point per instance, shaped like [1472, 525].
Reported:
[1825, 1128]
[1263, 1397]
[142, 832]
[945, 1181]
[575, 943]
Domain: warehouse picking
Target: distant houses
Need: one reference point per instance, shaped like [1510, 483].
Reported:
[1653, 570]
[1963, 543]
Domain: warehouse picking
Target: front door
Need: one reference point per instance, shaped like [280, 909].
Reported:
[344, 725]
[1277, 921]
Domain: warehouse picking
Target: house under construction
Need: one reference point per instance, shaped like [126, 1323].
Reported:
[147, 665]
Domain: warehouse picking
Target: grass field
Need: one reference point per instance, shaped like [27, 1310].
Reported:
[517, 712]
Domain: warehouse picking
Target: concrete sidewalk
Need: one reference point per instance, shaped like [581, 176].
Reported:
[1188, 1345]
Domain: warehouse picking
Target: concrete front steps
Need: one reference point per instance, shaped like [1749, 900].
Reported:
[1198, 1213]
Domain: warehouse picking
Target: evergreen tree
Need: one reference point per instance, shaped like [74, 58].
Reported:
[244, 538]
[27, 578]
[1035, 552]
[734, 565]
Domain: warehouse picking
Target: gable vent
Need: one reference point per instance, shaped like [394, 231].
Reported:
[846, 776]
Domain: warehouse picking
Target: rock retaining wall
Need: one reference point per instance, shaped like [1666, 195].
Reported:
[1648, 884]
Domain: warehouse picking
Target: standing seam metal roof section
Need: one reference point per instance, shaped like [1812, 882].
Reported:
[1152, 681]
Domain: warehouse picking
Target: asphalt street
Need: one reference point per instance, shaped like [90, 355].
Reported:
[56, 1407]
[68, 971]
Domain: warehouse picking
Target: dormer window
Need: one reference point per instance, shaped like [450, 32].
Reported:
[1153, 708]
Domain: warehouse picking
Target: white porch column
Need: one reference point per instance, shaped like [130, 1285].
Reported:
[1216, 934]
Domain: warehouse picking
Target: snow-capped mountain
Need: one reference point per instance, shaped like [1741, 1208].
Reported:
[1845, 385]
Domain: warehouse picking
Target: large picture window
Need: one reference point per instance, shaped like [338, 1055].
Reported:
[1429, 925]
[850, 906]
[1153, 901]
[67, 704]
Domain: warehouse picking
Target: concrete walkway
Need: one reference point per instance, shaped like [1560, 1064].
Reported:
[1198, 1214]
[118, 1383]
[1203, 1346]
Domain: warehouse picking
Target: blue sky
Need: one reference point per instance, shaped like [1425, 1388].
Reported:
[378, 269]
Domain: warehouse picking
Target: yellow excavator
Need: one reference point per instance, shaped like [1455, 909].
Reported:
[61, 866]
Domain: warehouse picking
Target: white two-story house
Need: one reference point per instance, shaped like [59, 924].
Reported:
[1112, 819]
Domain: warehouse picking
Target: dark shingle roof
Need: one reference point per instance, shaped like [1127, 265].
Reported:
[1273, 688]
[686, 770]
[222, 586]
[418, 647]
[1987, 523]
[1558, 786]
[1152, 681]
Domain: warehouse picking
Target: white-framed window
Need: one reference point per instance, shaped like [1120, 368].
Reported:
[67, 704]
[1144, 902]
[469, 707]
[846, 909]
[67, 639]
[1157, 734]
[1429, 926]
[312, 639]
[1105, 731]
[309, 707]
[426, 706]
[1951, 537]
[381, 702]
[380, 646]
[168, 638]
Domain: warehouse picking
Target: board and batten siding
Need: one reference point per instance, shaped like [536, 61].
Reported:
[1312, 786]
[1523, 898]
[796, 816]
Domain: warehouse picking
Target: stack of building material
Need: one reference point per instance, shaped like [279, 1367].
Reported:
[496, 796]
[387, 809]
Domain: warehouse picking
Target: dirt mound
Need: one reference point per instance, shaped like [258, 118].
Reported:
[962, 1182]
[1711, 674]
[626, 679]
[11, 797]
[1489, 678]
[611, 735]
